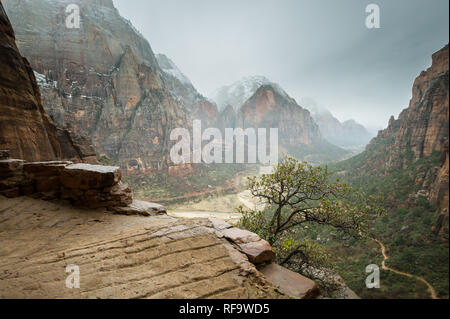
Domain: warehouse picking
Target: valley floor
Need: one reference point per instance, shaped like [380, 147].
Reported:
[431, 289]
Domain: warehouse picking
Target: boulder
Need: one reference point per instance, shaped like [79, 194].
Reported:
[258, 252]
[219, 224]
[142, 208]
[289, 282]
[119, 196]
[240, 236]
[86, 176]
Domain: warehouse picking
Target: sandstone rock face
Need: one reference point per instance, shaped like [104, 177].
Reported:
[198, 107]
[25, 130]
[84, 185]
[439, 196]
[101, 80]
[421, 130]
[423, 126]
[270, 107]
[257, 250]
[141, 208]
[290, 283]
[119, 256]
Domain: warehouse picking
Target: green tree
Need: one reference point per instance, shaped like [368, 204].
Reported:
[297, 194]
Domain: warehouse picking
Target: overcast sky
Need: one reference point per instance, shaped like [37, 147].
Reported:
[319, 49]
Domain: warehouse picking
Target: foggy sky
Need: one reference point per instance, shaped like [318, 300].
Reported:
[319, 49]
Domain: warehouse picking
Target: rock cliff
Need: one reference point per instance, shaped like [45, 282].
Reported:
[184, 92]
[299, 135]
[25, 130]
[423, 126]
[419, 133]
[256, 102]
[348, 134]
[101, 80]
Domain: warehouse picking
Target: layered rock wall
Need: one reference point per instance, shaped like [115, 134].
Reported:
[84, 185]
[101, 80]
[25, 130]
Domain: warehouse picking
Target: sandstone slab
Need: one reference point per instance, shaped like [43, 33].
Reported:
[119, 257]
[45, 169]
[258, 252]
[289, 282]
[219, 224]
[240, 236]
[86, 176]
[142, 208]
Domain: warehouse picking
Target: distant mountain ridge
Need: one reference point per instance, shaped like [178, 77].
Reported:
[240, 91]
[347, 134]
[299, 136]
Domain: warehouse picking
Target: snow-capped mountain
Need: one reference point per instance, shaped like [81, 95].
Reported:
[184, 92]
[169, 67]
[239, 92]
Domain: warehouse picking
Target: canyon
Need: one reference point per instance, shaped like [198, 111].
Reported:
[71, 99]
[20, 101]
[108, 84]
[128, 100]
[57, 214]
[420, 132]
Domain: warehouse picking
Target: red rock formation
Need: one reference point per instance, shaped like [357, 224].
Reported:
[439, 195]
[291, 283]
[420, 131]
[205, 111]
[184, 92]
[423, 126]
[25, 129]
[101, 80]
[299, 135]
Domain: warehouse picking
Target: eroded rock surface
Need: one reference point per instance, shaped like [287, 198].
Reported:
[84, 185]
[142, 208]
[101, 80]
[256, 249]
[118, 256]
[290, 283]
[25, 129]
[271, 107]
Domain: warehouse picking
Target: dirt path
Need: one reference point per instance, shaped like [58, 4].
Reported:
[431, 290]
